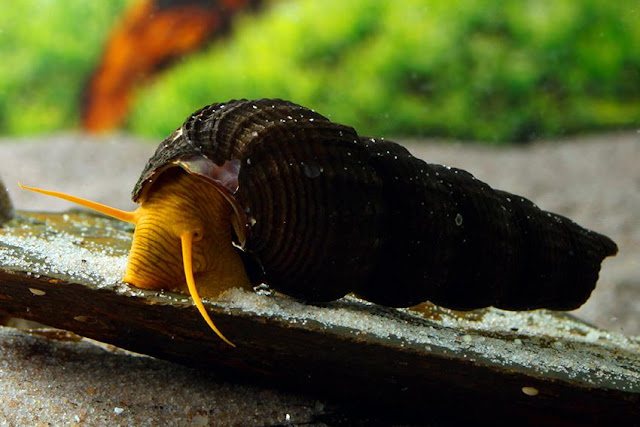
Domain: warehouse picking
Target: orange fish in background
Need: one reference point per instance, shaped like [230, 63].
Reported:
[151, 35]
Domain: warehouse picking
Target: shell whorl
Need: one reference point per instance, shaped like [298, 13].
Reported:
[328, 212]
[455, 241]
[227, 131]
[303, 184]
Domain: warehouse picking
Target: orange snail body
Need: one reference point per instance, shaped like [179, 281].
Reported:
[324, 212]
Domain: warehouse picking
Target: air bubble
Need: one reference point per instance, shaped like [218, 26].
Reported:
[311, 170]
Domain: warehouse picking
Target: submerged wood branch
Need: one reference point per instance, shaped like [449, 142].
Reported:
[64, 271]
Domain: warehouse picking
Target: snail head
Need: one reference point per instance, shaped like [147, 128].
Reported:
[183, 235]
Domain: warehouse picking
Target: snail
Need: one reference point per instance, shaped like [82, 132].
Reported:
[6, 208]
[267, 191]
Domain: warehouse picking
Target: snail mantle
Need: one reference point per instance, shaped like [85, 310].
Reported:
[64, 270]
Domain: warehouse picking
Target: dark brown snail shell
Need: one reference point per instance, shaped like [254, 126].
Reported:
[327, 212]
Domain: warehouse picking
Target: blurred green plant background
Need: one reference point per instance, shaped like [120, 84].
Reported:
[492, 71]
[47, 50]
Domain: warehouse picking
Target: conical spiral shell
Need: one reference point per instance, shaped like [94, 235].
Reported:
[455, 241]
[326, 212]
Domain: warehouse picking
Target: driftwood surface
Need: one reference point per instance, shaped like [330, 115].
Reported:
[64, 270]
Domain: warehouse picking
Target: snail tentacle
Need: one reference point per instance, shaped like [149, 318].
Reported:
[126, 216]
[187, 242]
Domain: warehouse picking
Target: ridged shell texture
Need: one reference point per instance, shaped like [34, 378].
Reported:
[329, 212]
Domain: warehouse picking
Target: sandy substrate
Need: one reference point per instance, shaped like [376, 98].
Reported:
[53, 382]
[594, 180]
